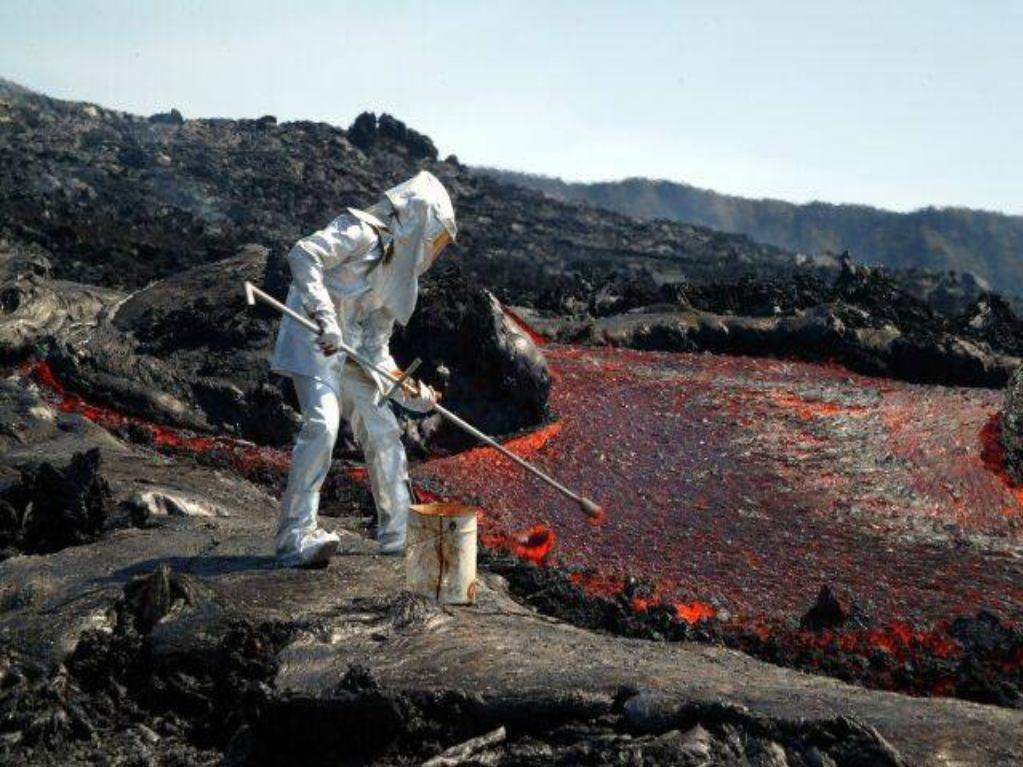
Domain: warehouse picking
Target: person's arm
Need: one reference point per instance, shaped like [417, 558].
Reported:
[343, 239]
[376, 336]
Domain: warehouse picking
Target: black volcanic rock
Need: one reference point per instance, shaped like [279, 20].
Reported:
[491, 373]
[55, 507]
[367, 131]
[120, 200]
[148, 598]
[863, 319]
[1011, 422]
[985, 633]
[836, 332]
[873, 291]
[991, 320]
[187, 351]
[827, 612]
[34, 307]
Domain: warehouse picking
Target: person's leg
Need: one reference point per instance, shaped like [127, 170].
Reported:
[298, 539]
[378, 434]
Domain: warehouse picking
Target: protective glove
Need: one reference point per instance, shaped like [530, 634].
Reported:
[423, 401]
[330, 334]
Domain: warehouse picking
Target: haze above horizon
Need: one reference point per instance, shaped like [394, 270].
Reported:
[897, 106]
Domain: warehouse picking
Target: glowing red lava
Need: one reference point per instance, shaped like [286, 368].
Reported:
[533, 544]
[736, 487]
[694, 612]
[598, 517]
[535, 335]
[993, 456]
[244, 457]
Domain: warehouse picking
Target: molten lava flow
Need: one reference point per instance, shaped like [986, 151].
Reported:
[598, 517]
[602, 585]
[537, 541]
[694, 612]
[640, 604]
[532, 443]
[533, 544]
[808, 409]
[741, 486]
[896, 639]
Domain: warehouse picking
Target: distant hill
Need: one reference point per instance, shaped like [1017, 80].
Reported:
[989, 245]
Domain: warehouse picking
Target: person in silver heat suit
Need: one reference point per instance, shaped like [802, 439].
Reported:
[355, 278]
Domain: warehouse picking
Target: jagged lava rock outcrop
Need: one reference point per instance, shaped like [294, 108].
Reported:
[186, 351]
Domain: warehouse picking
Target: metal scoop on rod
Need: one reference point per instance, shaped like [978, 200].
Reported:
[591, 509]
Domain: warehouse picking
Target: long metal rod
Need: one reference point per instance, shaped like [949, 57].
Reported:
[591, 509]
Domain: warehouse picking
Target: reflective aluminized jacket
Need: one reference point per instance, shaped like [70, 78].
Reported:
[341, 270]
[331, 267]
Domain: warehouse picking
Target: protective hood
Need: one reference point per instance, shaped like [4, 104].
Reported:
[417, 212]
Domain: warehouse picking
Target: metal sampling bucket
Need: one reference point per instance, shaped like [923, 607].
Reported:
[440, 553]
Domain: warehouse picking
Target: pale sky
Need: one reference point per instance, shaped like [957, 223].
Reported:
[897, 103]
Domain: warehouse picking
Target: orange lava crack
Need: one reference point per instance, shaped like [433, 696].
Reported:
[244, 457]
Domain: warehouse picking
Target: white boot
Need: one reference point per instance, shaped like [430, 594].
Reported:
[313, 550]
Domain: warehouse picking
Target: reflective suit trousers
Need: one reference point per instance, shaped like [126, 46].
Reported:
[378, 434]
